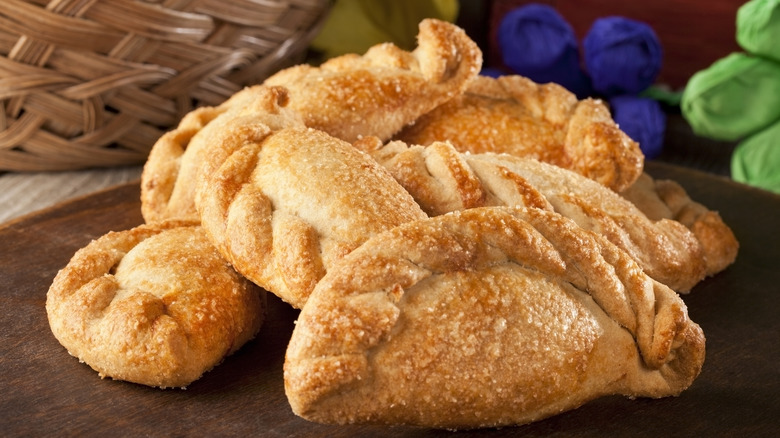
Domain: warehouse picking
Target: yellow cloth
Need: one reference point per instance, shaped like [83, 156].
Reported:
[355, 25]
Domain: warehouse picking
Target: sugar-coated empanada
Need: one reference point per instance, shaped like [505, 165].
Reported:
[283, 207]
[170, 175]
[442, 180]
[514, 115]
[381, 91]
[666, 199]
[155, 305]
[486, 317]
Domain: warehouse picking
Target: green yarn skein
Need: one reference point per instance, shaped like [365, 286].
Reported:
[733, 98]
[756, 160]
[758, 28]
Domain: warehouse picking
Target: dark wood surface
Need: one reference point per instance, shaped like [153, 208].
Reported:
[46, 392]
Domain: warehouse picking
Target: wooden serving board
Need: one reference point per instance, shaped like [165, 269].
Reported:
[46, 392]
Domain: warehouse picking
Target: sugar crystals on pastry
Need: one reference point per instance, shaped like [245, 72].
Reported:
[486, 317]
[283, 207]
[666, 199]
[155, 305]
[381, 91]
[442, 180]
[514, 115]
[170, 175]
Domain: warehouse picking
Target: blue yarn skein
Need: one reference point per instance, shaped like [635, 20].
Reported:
[643, 120]
[491, 72]
[536, 42]
[623, 56]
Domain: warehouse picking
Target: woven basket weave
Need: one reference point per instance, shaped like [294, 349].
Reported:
[94, 83]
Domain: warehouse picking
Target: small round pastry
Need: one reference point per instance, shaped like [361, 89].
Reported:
[154, 305]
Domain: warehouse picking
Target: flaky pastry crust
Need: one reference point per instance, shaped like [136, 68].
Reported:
[442, 179]
[381, 91]
[666, 199]
[170, 175]
[514, 115]
[487, 317]
[154, 305]
[283, 207]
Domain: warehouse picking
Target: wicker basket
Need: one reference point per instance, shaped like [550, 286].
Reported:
[94, 83]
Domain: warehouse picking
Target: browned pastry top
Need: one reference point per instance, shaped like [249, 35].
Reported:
[514, 115]
[443, 180]
[283, 207]
[154, 305]
[381, 91]
[171, 173]
[485, 317]
[666, 199]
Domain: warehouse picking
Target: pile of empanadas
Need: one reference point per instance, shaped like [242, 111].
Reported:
[465, 251]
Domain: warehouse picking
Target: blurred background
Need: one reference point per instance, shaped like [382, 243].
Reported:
[692, 33]
[92, 85]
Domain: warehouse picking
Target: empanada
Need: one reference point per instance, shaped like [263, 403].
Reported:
[155, 305]
[170, 175]
[381, 91]
[666, 199]
[283, 207]
[443, 180]
[486, 317]
[514, 115]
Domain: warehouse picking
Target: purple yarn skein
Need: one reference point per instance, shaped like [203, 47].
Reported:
[622, 56]
[643, 120]
[536, 42]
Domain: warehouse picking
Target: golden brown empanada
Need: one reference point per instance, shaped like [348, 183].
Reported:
[485, 317]
[170, 175]
[155, 305]
[443, 180]
[514, 115]
[378, 93]
[666, 199]
[283, 207]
